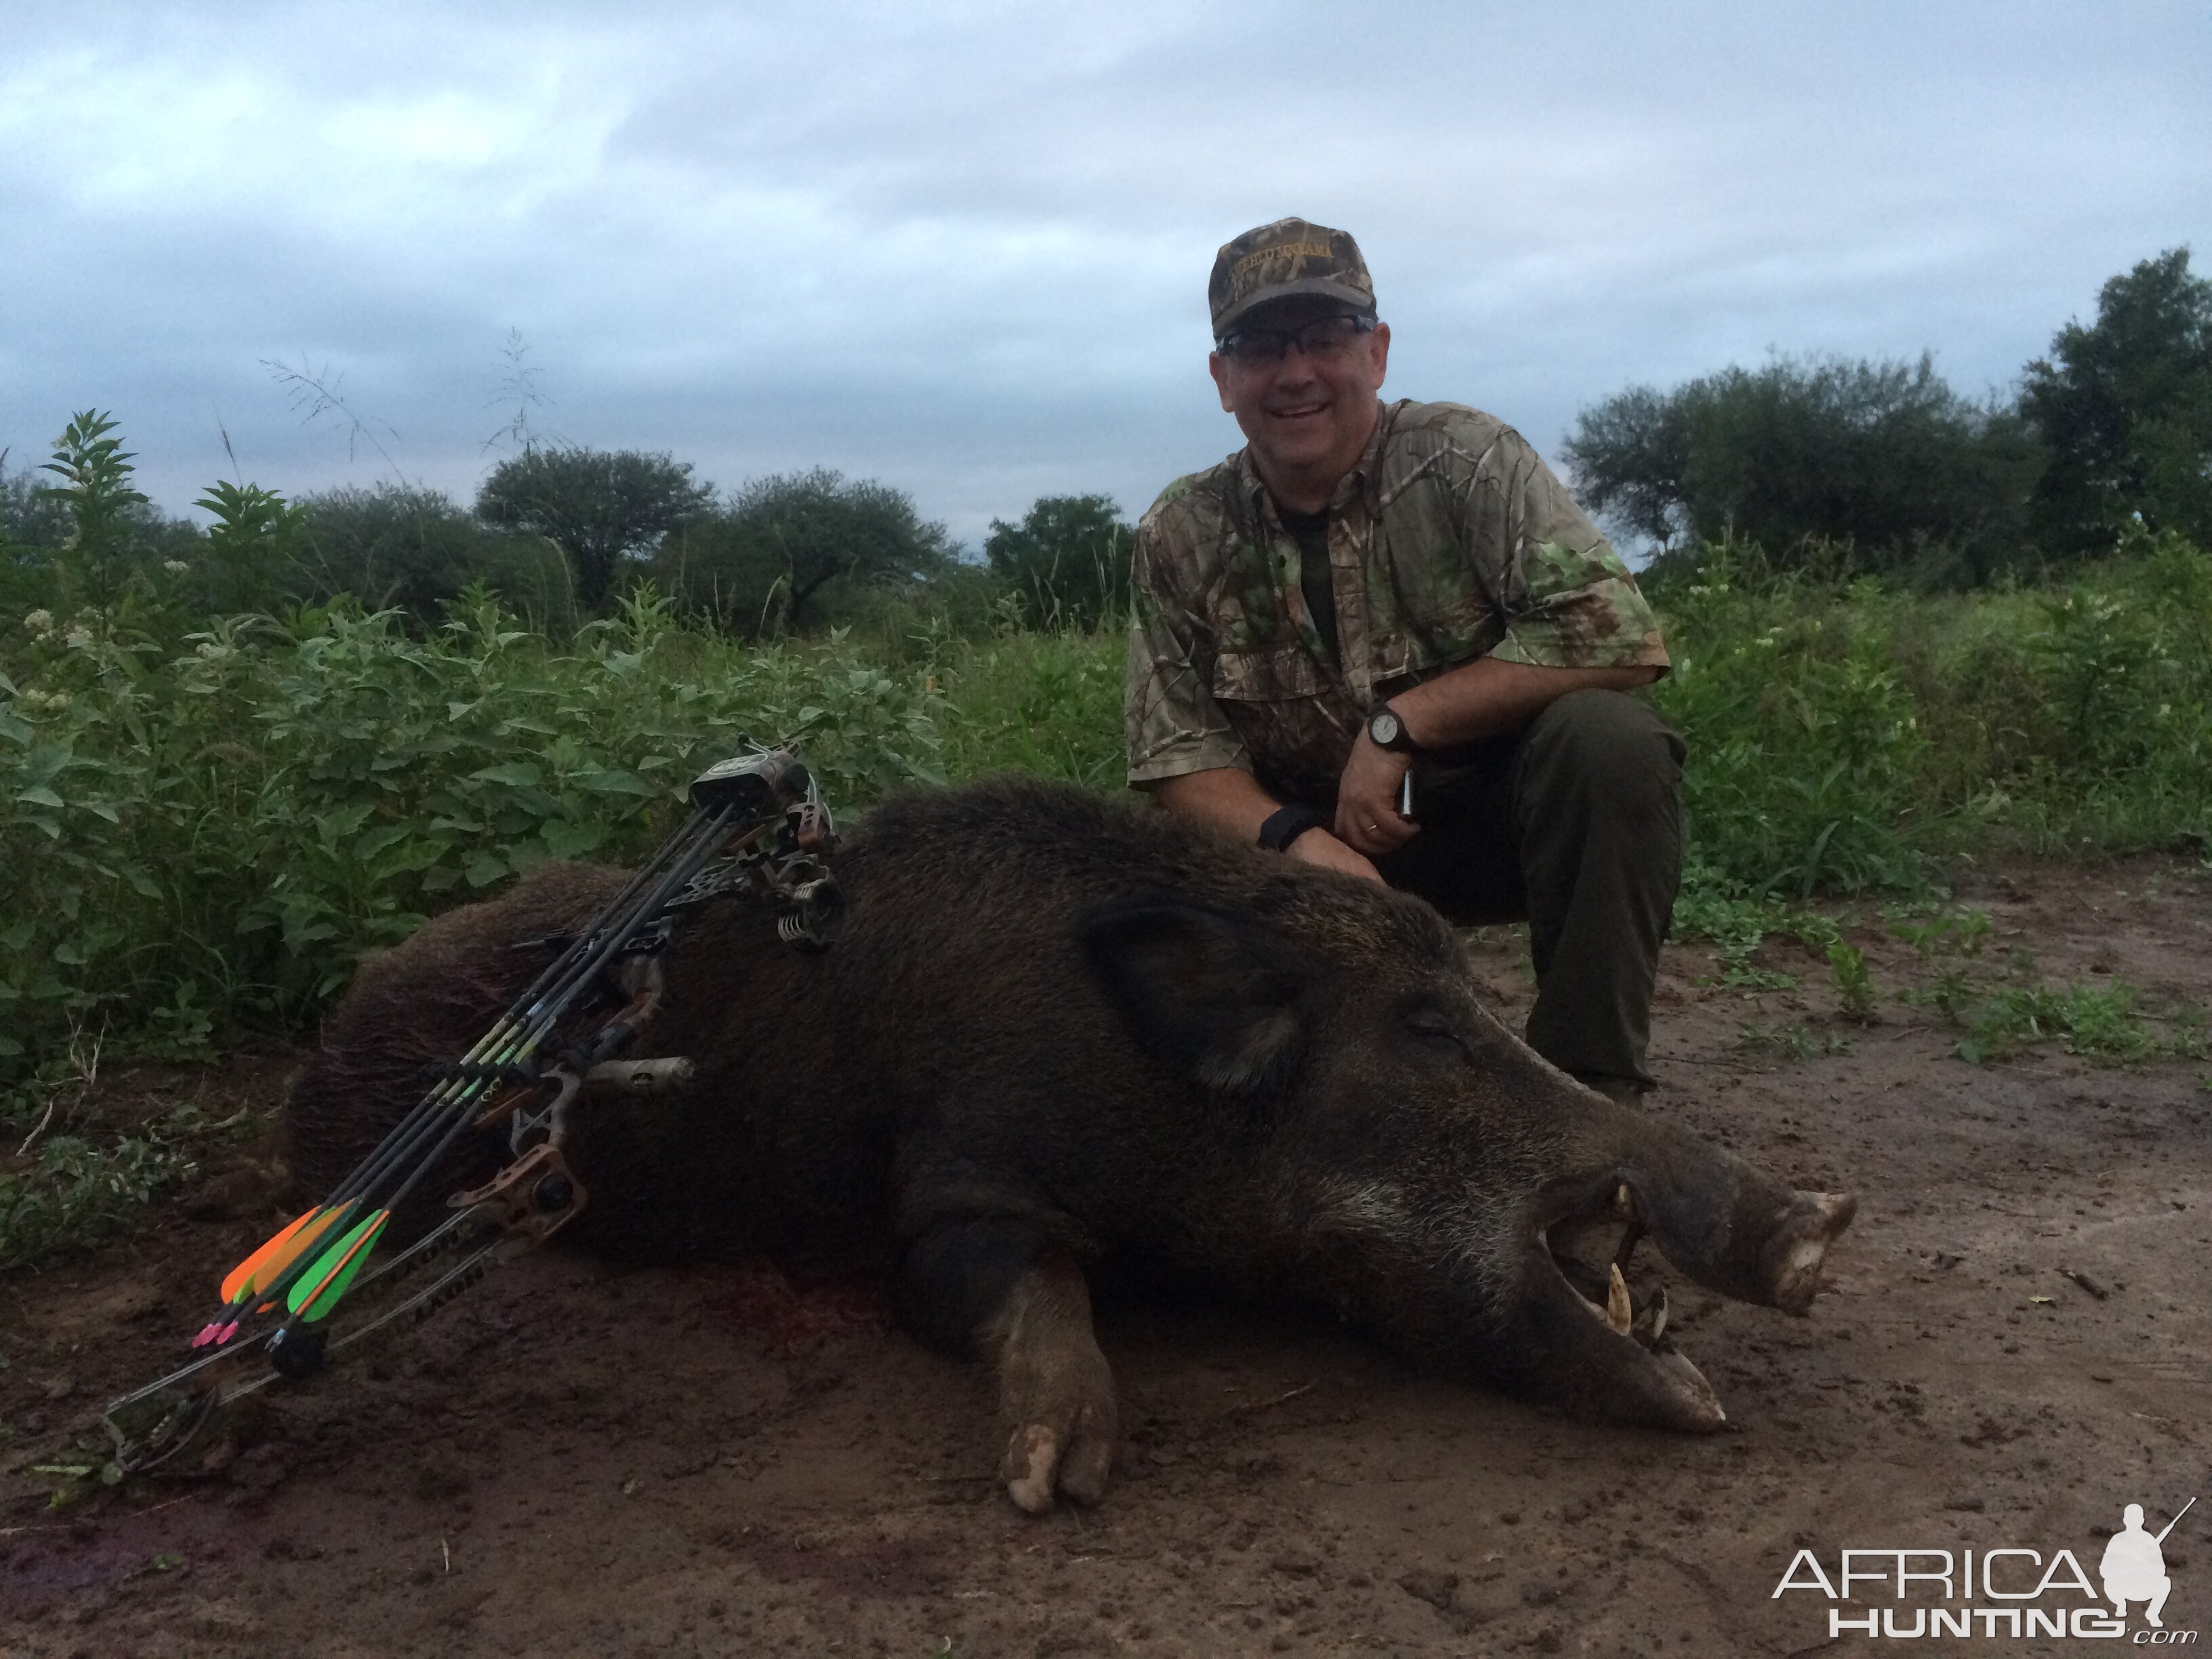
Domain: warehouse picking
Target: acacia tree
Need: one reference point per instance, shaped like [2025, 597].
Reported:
[2124, 407]
[1883, 455]
[391, 544]
[599, 506]
[1067, 562]
[760, 561]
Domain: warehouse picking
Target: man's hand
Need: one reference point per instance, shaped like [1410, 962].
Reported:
[1367, 801]
[1319, 847]
[1229, 797]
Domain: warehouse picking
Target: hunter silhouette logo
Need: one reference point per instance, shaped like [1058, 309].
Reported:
[2005, 1592]
[2134, 1567]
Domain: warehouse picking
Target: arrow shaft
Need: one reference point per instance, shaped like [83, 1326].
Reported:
[421, 1140]
[530, 1015]
[684, 867]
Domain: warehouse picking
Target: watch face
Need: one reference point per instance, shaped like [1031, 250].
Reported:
[1384, 728]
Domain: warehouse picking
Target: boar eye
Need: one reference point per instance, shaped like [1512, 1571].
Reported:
[1437, 1033]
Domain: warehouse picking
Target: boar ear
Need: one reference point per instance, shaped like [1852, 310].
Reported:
[1207, 993]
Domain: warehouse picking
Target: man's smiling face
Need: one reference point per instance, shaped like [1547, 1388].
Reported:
[1308, 414]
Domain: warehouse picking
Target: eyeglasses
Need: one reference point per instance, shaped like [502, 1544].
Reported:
[1322, 340]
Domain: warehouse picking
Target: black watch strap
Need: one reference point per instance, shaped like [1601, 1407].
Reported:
[1399, 740]
[1286, 823]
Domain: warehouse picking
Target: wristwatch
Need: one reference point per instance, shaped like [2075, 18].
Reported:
[1386, 731]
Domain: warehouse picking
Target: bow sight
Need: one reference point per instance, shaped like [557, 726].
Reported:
[758, 829]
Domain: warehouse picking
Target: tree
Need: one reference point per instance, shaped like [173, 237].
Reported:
[759, 562]
[1884, 456]
[599, 507]
[1067, 562]
[393, 544]
[2124, 407]
[30, 517]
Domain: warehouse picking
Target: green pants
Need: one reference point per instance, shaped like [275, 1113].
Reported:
[1574, 823]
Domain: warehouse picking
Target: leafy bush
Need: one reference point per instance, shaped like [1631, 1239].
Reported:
[77, 1193]
[92, 538]
[1771, 669]
[1843, 732]
[226, 829]
[1048, 703]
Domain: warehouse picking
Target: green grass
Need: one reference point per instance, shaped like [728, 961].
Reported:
[2106, 1024]
[78, 1193]
[1796, 1040]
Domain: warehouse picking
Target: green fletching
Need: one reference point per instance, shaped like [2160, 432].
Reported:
[319, 1288]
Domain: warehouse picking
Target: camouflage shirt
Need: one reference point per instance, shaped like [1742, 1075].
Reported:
[1449, 541]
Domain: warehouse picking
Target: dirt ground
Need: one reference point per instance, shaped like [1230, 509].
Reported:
[2013, 1344]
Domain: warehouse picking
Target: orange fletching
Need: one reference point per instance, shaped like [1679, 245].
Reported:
[279, 1253]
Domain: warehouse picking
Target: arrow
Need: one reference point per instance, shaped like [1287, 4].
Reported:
[318, 1289]
[273, 1257]
[311, 1284]
[262, 1270]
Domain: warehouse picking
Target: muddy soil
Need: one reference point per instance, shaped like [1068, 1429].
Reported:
[2012, 1345]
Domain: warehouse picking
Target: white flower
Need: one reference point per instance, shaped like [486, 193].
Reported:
[175, 567]
[77, 638]
[40, 623]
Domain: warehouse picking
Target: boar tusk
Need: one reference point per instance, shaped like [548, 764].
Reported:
[1617, 1311]
[1624, 1202]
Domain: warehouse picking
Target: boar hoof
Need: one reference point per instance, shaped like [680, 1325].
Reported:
[1055, 1390]
[1041, 1460]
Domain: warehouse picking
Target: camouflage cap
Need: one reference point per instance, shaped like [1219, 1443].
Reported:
[1289, 256]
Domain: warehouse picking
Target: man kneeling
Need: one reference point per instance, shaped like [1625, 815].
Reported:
[1383, 637]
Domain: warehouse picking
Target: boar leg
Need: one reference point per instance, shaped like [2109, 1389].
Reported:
[1002, 1287]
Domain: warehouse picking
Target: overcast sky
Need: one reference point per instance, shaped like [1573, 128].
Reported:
[963, 247]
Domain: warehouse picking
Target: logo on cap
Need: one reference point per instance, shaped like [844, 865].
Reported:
[1290, 257]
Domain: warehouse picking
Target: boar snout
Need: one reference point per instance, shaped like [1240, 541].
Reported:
[1791, 1264]
[1723, 1223]
[1602, 1350]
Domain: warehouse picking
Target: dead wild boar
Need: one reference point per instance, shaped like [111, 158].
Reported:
[1057, 1032]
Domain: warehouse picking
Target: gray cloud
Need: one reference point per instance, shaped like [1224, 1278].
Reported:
[963, 248]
